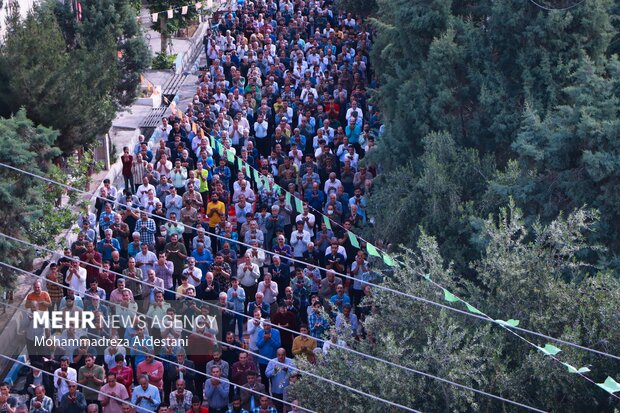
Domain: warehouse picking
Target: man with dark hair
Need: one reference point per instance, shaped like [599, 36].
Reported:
[250, 391]
[62, 376]
[7, 402]
[216, 391]
[197, 406]
[91, 376]
[73, 401]
[162, 408]
[110, 394]
[124, 373]
[236, 406]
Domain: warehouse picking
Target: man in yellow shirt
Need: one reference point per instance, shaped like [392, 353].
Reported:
[304, 345]
[216, 211]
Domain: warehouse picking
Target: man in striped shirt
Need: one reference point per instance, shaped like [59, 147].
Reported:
[54, 289]
[145, 226]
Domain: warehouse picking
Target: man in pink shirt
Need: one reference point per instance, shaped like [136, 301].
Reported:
[110, 393]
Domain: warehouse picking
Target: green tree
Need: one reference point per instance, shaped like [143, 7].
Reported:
[57, 87]
[117, 19]
[469, 67]
[168, 26]
[361, 8]
[500, 78]
[439, 196]
[571, 157]
[530, 275]
[24, 201]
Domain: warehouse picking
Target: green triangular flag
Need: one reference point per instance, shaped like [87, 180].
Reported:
[354, 242]
[427, 276]
[448, 296]
[370, 248]
[549, 350]
[473, 309]
[240, 164]
[610, 385]
[573, 370]
[230, 156]
[299, 205]
[389, 260]
[287, 198]
[329, 225]
[511, 322]
[212, 141]
[256, 177]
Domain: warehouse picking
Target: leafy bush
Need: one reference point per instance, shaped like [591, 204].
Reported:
[163, 61]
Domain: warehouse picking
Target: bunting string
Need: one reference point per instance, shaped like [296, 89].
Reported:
[610, 385]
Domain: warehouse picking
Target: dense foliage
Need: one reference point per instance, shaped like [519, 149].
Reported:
[490, 100]
[502, 159]
[25, 202]
[72, 75]
[537, 282]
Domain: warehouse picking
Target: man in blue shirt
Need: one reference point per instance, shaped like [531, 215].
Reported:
[340, 298]
[236, 296]
[146, 396]
[216, 391]
[107, 245]
[268, 342]
[203, 258]
[278, 371]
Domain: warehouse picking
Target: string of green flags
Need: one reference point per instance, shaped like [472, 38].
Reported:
[609, 385]
[252, 172]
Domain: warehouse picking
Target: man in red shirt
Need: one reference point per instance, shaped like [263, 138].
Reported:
[124, 374]
[154, 369]
[127, 161]
[197, 406]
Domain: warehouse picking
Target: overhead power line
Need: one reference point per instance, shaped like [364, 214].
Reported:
[428, 375]
[344, 276]
[541, 6]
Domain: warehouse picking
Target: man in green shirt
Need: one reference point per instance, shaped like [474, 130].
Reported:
[91, 375]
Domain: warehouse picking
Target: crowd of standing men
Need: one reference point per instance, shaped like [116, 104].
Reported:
[240, 206]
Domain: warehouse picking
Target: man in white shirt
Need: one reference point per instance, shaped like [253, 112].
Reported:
[62, 376]
[300, 240]
[193, 273]
[244, 189]
[332, 184]
[248, 274]
[307, 91]
[270, 292]
[76, 277]
[354, 108]
[145, 259]
[307, 218]
[143, 190]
